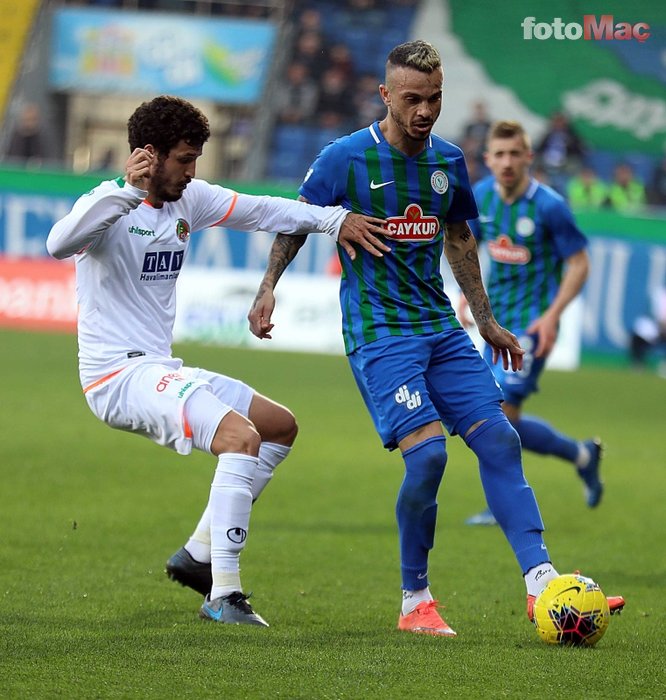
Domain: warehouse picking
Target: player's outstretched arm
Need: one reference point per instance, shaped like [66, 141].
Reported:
[461, 252]
[283, 251]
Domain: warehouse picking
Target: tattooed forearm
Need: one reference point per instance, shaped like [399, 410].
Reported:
[283, 251]
[461, 252]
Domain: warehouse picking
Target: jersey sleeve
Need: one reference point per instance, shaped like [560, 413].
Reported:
[219, 206]
[463, 205]
[567, 237]
[91, 216]
[325, 182]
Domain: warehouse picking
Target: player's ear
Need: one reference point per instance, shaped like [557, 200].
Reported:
[385, 95]
[150, 148]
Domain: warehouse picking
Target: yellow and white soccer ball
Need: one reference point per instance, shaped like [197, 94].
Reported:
[571, 610]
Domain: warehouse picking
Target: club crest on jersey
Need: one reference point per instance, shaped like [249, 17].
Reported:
[413, 226]
[525, 226]
[182, 230]
[439, 182]
[504, 250]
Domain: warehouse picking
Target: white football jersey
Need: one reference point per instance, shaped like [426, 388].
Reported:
[129, 254]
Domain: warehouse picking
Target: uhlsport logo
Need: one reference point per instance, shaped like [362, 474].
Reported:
[593, 28]
[411, 400]
[413, 226]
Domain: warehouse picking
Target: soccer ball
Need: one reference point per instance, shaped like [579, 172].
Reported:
[571, 610]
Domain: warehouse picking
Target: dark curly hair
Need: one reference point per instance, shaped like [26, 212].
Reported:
[164, 121]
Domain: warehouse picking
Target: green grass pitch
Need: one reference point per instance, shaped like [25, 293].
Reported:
[89, 515]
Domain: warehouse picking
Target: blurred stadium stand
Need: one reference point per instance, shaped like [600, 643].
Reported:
[85, 131]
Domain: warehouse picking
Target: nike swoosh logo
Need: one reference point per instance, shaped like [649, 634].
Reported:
[376, 185]
[572, 588]
[420, 576]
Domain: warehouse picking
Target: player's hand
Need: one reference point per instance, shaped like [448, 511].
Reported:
[140, 167]
[545, 329]
[363, 230]
[260, 314]
[504, 345]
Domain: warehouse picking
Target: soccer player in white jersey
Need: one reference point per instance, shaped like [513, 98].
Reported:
[129, 238]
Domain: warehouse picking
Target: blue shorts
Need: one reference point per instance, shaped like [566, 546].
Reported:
[517, 386]
[408, 382]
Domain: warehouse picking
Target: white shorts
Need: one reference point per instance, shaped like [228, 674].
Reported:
[151, 398]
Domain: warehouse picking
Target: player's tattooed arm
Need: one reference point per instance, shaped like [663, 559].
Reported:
[283, 251]
[461, 252]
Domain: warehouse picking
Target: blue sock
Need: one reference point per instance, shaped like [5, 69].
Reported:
[416, 509]
[508, 494]
[538, 436]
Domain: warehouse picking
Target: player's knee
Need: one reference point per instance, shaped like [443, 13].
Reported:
[236, 434]
[285, 428]
[275, 422]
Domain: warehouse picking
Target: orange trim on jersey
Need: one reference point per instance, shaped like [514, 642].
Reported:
[102, 380]
[187, 429]
[231, 208]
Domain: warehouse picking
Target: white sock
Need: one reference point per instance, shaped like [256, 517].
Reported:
[199, 543]
[270, 455]
[584, 456]
[410, 599]
[230, 505]
[538, 576]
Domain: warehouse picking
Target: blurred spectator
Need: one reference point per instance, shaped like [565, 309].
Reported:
[297, 100]
[368, 105]
[312, 51]
[586, 190]
[476, 168]
[626, 193]
[340, 57]
[656, 192]
[649, 333]
[474, 134]
[540, 175]
[27, 141]
[560, 151]
[335, 104]
[309, 20]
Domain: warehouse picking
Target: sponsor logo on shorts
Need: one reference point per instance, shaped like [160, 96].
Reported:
[410, 399]
[167, 379]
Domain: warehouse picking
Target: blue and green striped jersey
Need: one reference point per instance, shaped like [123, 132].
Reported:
[401, 293]
[528, 242]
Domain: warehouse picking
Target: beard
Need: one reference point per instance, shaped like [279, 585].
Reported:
[404, 127]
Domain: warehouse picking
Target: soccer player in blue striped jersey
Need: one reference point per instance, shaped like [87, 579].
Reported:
[538, 265]
[414, 364]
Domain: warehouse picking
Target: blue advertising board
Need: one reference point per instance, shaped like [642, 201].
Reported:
[225, 60]
[627, 254]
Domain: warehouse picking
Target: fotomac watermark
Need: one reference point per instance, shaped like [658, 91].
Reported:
[603, 28]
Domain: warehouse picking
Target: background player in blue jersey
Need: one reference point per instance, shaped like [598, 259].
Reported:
[413, 362]
[538, 264]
